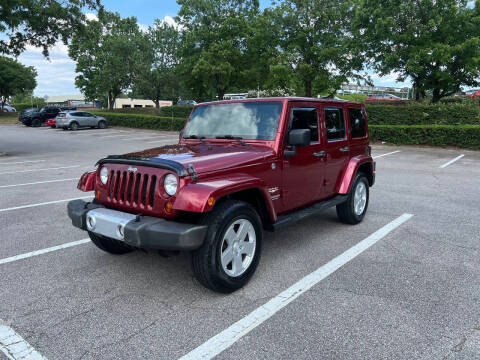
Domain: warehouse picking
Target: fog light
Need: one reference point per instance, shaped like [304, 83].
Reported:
[90, 223]
[121, 231]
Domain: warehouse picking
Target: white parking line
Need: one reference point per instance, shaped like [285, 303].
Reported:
[43, 251]
[24, 171]
[44, 203]
[229, 336]
[451, 161]
[15, 347]
[113, 136]
[21, 162]
[164, 140]
[143, 138]
[38, 182]
[390, 153]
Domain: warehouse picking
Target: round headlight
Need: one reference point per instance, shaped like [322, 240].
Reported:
[170, 184]
[104, 175]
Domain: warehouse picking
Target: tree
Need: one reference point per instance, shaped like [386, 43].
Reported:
[317, 46]
[160, 80]
[110, 54]
[15, 78]
[214, 49]
[40, 23]
[435, 43]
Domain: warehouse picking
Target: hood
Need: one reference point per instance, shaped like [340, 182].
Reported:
[206, 158]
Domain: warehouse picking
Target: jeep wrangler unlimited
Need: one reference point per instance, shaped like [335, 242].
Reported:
[240, 167]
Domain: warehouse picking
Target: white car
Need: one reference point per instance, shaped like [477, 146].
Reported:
[8, 108]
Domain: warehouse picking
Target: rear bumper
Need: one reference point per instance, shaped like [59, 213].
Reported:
[138, 231]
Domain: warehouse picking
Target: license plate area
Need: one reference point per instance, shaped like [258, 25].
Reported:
[107, 222]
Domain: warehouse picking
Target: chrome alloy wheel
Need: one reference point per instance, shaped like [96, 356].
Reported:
[238, 247]
[360, 198]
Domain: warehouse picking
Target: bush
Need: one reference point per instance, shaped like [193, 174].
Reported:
[390, 102]
[166, 111]
[463, 136]
[440, 114]
[353, 97]
[143, 121]
[22, 106]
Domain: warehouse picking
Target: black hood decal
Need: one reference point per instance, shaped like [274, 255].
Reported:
[171, 165]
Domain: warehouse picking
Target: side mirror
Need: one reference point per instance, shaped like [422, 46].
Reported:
[297, 137]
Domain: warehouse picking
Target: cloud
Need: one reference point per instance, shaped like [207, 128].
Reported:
[91, 16]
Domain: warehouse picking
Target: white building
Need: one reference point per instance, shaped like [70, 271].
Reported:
[138, 103]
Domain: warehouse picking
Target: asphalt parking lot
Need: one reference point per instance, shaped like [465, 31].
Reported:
[413, 293]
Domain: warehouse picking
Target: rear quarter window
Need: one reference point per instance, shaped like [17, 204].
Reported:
[357, 122]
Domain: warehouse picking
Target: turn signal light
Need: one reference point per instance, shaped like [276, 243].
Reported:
[168, 207]
[211, 201]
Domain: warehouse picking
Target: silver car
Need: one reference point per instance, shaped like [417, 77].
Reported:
[75, 119]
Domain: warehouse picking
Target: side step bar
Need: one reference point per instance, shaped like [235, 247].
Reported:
[314, 209]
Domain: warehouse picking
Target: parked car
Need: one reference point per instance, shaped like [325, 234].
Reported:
[76, 119]
[51, 122]
[36, 117]
[383, 97]
[186, 102]
[8, 108]
[240, 167]
[476, 94]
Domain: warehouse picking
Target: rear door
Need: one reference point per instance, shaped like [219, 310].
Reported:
[358, 133]
[303, 173]
[337, 147]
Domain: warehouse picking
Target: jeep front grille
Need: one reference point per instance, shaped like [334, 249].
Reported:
[132, 189]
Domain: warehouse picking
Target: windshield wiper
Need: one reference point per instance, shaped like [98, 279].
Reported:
[231, 137]
[201, 138]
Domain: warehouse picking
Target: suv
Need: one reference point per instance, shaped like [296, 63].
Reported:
[76, 119]
[37, 118]
[240, 167]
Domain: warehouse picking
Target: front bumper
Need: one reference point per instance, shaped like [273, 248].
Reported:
[139, 231]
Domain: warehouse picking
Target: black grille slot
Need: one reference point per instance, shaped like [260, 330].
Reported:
[123, 185]
[144, 189]
[110, 190]
[136, 189]
[115, 186]
[129, 187]
[152, 189]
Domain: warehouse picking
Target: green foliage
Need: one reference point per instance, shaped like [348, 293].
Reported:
[353, 97]
[15, 78]
[165, 111]
[317, 47]
[214, 45]
[159, 81]
[22, 106]
[143, 121]
[463, 136]
[434, 42]
[453, 114]
[110, 54]
[40, 23]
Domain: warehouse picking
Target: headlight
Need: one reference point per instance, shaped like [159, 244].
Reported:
[104, 175]
[170, 184]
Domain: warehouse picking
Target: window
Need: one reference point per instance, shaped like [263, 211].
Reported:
[137, 106]
[126, 106]
[357, 123]
[335, 124]
[305, 118]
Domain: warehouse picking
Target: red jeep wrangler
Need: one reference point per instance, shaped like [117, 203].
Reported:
[240, 167]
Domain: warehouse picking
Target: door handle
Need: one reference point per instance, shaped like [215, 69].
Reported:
[345, 149]
[319, 154]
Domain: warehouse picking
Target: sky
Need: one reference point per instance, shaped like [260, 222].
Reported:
[56, 75]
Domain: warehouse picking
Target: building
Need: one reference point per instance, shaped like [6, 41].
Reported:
[71, 101]
[138, 103]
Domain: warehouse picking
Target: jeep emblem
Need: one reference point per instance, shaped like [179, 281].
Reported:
[132, 169]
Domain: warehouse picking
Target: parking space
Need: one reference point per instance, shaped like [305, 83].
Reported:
[384, 289]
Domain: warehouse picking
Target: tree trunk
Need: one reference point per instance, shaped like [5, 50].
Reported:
[308, 88]
[157, 103]
[436, 96]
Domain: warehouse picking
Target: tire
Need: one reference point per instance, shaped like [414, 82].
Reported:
[36, 123]
[346, 212]
[74, 126]
[53, 126]
[102, 124]
[109, 245]
[64, 128]
[206, 262]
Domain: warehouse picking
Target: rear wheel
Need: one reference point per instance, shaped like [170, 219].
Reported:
[110, 245]
[354, 209]
[74, 126]
[102, 124]
[231, 251]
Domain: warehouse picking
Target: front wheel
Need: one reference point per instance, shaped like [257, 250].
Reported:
[74, 126]
[112, 246]
[36, 123]
[354, 209]
[231, 251]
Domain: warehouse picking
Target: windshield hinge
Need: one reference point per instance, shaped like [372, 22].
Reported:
[192, 172]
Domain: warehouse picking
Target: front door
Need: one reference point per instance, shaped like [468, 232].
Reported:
[303, 173]
[337, 147]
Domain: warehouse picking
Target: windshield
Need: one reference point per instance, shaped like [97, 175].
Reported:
[251, 121]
